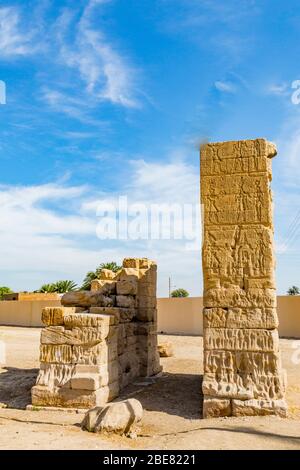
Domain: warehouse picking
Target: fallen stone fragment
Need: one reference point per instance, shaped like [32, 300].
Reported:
[86, 299]
[165, 350]
[120, 418]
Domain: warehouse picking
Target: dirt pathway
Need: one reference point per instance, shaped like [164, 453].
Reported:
[172, 404]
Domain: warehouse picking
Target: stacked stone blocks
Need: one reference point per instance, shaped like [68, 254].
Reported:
[242, 365]
[101, 340]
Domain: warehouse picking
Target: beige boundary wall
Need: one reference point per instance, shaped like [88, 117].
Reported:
[24, 312]
[184, 316]
[175, 316]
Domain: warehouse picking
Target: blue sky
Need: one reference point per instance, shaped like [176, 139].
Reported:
[112, 97]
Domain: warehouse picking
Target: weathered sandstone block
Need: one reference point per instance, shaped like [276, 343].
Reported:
[89, 320]
[61, 375]
[103, 287]
[86, 299]
[129, 274]
[107, 274]
[146, 344]
[127, 314]
[241, 339]
[85, 382]
[127, 287]
[88, 336]
[55, 315]
[147, 314]
[216, 407]
[243, 387]
[57, 354]
[237, 297]
[70, 398]
[241, 362]
[126, 301]
[240, 318]
[165, 349]
[102, 353]
[261, 407]
[129, 360]
[55, 375]
[147, 328]
[107, 372]
[146, 302]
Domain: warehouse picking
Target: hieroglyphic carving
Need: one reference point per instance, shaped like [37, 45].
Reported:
[242, 369]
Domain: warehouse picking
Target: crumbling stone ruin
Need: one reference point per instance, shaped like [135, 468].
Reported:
[242, 366]
[101, 340]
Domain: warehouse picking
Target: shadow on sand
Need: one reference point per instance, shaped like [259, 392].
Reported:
[15, 386]
[175, 394]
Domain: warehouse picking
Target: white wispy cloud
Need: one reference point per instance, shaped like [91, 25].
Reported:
[74, 106]
[13, 40]
[226, 87]
[102, 68]
[76, 42]
[26, 204]
[64, 103]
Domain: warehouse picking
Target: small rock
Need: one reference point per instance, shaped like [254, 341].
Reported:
[120, 418]
[165, 350]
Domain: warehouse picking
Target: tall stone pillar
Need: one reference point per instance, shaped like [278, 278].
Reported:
[242, 366]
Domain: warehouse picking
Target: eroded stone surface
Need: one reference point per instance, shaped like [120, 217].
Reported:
[165, 350]
[242, 367]
[55, 315]
[101, 340]
[120, 418]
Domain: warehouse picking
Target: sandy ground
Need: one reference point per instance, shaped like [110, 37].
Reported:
[172, 404]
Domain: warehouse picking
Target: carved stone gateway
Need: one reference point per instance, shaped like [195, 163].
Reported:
[242, 365]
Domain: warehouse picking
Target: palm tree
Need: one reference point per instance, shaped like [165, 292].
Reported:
[60, 287]
[47, 288]
[65, 286]
[112, 266]
[91, 275]
[294, 290]
[180, 293]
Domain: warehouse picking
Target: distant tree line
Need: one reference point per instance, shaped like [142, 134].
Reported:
[67, 285]
[294, 290]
